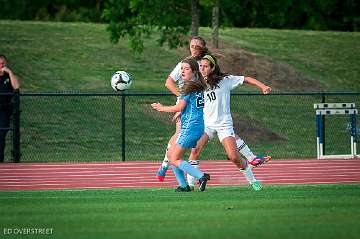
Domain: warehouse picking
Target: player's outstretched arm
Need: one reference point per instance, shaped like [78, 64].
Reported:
[264, 88]
[174, 108]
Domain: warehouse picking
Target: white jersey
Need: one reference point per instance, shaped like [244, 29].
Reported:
[217, 112]
[176, 75]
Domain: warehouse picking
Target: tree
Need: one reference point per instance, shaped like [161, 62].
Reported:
[214, 5]
[215, 24]
[194, 17]
[137, 19]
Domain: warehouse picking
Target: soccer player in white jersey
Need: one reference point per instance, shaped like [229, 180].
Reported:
[218, 120]
[190, 105]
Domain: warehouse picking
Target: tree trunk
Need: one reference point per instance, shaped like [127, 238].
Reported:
[194, 17]
[98, 4]
[215, 24]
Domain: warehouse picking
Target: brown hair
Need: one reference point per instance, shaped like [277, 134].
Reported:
[199, 38]
[203, 49]
[196, 85]
[3, 57]
[216, 75]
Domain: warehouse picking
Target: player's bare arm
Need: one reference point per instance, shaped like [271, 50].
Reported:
[174, 108]
[170, 84]
[264, 88]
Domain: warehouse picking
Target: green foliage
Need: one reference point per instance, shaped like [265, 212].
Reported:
[138, 19]
[293, 14]
[207, 3]
[52, 10]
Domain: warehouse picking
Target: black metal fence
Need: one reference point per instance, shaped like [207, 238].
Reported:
[56, 127]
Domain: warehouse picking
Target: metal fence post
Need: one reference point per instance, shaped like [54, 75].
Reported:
[16, 127]
[323, 125]
[123, 127]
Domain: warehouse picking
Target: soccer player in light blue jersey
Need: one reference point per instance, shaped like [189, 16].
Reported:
[174, 82]
[190, 104]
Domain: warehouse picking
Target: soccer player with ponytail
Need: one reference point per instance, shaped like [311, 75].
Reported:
[218, 120]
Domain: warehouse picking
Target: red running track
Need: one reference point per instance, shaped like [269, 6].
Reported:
[49, 176]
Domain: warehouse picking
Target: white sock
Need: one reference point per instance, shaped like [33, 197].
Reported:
[190, 179]
[244, 149]
[248, 174]
[166, 164]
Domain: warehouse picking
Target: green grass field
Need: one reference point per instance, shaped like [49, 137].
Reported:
[55, 56]
[313, 211]
[329, 57]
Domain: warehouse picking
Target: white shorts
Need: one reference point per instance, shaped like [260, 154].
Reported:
[222, 133]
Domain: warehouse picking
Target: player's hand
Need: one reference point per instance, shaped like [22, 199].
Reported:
[157, 106]
[5, 69]
[266, 90]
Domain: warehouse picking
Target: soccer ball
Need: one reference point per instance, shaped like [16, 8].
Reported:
[121, 80]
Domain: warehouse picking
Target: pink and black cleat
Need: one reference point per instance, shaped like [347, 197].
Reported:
[259, 160]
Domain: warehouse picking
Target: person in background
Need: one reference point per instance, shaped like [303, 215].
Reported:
[8, 84]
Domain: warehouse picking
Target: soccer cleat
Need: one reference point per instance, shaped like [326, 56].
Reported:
[161, 173]
[183, 189]
[260, 159]
[256, 186]
[203, 180]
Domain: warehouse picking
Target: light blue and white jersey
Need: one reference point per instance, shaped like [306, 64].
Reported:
[192, 120]
[192, 116]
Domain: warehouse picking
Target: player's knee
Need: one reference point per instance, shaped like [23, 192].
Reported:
[173, 158]
[233, 157]
[195, 153]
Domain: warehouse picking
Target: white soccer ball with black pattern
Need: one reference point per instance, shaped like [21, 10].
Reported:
[121, 80]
